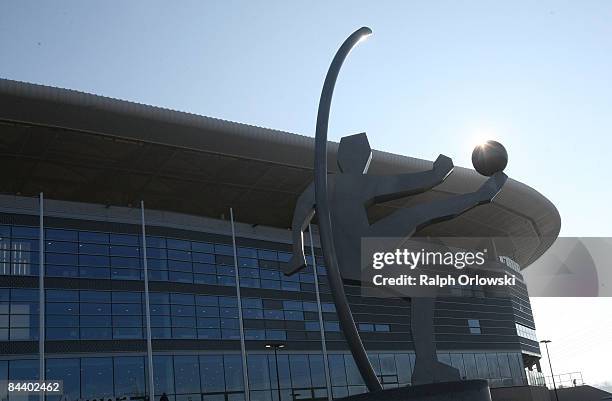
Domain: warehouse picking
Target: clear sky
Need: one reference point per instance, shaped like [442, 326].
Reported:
[435, 78]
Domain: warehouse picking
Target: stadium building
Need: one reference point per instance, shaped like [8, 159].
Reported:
[224, 323]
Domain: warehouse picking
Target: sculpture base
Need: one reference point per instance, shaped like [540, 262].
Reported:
[467, 390]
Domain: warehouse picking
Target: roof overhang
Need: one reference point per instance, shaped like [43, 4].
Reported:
[81, 147]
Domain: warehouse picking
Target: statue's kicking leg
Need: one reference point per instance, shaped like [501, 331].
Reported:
[404, 222]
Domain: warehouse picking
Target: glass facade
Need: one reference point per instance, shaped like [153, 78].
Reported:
[195, 321]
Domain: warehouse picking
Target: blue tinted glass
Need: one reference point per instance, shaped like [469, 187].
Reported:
[183, 310]
[62, 320]
[67, 370]
[221, 249]
[94, 261]
[233, 372]
[96, 333]
[163, 369]
[60, 246]
[124, 239]
[95, 296]
[124, 296]
[284, 257]
[64, 333]
[93, 237]
[252, 303]
[126, 309]
[96, 377]
[212, 373]
[178, 244]
[130, 251]
[203, 257]
[382, 327]
[267, 255]
[157, 275]
[62, 295]
[23, 369]
[63, 308]
[207, 300]
[156, 242]
[95, 320]
[208, 334]
[62, 235]
[159, 253]
[187, 374]
[22, 294]
[180, 277]
[94, 272]
[228, 301]
[183, 299]
[95, 309]
[179, 265]
[61, 259]
[133, 263]
[202, 247]
[93, 249]
[311, 326]
[159, 298]
[25, 232]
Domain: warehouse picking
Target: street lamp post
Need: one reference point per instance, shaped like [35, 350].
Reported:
[276, 347]
[545, 342]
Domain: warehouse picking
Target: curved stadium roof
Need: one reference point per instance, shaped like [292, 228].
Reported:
[81, 147]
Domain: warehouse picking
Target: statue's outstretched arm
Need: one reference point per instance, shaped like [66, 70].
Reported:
[386, 188]
[303, 213]
[405, 222]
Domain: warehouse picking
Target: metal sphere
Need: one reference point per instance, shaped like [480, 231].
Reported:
[489, 158]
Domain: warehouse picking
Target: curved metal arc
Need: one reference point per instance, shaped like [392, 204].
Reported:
[323, 214]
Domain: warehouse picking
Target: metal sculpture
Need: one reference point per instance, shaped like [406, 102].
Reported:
[341, 201]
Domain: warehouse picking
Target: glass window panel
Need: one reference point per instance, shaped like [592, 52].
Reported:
[212, 374]
[93, 237]
[94, 260]
[93, 249]
[352, 373]
[172, 243]
[157, 242]
[96, 377]
[457, 362]
[504, 367]
[95, 309]
[471, 371]
[129, 376]
[300, 371]
[124, 239]
[128, 251]
[127, 297]
[62, 295]
[61, 247]
[163, 371]
[94, 272]
[95, 296]
[67, 370]
[317, 370]
[96, 333]
[25, 232]
[404, 368]
[61, 259]
[259, 374]
[493, 365]
[180, 277]
[482, 366]
[178, 255]
[202, 247]
[233, 373]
